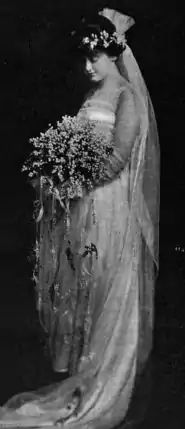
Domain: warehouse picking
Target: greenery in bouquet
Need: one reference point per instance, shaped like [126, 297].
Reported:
[69, 158]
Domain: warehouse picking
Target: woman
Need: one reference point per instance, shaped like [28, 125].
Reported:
[97, 306]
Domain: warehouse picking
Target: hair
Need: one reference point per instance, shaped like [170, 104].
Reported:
[96, 26]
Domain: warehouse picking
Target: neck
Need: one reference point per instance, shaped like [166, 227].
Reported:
[112, 82]
[108, 85]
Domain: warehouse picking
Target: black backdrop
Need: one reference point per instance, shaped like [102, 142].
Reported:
[39, 83]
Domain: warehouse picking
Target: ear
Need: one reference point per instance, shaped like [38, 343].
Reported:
[113, 59]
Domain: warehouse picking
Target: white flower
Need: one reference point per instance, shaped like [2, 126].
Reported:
[105, 39]
[105, 44]
[85, 40]
[104, 35]
[83, 150]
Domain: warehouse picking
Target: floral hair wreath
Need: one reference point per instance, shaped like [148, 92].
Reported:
[105, 39]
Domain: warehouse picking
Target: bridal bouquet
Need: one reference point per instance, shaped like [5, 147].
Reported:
[68, 158]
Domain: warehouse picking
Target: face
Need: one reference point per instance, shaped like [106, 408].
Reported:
[98, 68]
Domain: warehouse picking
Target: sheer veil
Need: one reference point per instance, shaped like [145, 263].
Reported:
[146, 162]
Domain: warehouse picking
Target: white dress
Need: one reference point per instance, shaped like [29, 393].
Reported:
[103, 333]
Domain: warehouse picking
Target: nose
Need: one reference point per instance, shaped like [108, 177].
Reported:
[88, 66]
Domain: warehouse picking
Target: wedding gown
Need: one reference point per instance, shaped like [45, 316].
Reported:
[100, 317]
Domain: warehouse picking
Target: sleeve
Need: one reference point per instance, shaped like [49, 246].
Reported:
[125, 132]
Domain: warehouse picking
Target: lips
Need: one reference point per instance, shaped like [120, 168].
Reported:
[89, 74]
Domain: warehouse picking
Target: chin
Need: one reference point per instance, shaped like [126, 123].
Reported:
[98, 80]
[94, 78]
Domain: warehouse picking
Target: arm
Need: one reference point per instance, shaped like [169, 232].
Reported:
[124, 135]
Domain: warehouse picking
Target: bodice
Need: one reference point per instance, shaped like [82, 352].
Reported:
[101, 108]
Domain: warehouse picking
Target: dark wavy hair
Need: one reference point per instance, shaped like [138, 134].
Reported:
[96, 26]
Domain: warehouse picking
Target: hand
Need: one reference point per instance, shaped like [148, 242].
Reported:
[35, 182]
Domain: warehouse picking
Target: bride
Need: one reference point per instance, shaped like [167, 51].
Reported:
[100, 318]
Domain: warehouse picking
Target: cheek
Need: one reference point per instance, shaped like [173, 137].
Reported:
[103, 67]
[97, 67]
[100, 69]
[103, 70]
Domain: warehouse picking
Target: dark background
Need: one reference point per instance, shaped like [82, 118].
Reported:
[39, 83]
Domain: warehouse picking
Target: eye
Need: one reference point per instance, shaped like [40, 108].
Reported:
[96, 58]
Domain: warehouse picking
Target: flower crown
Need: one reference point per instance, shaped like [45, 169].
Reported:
[104, 39]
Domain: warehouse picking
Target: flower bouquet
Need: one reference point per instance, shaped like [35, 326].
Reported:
[69, 158]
